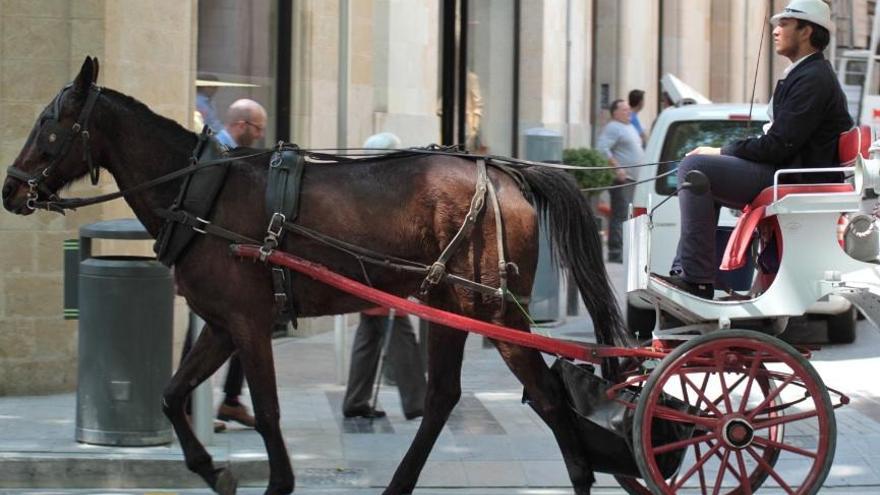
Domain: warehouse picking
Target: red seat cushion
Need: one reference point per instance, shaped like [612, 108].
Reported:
[852, 143]
[736, 253]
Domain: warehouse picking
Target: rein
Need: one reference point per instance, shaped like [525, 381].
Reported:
[74, 203]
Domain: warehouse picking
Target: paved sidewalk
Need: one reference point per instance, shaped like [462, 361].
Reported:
[492, 441]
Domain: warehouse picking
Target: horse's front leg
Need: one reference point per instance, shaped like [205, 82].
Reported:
[210, 350]
[256, 357]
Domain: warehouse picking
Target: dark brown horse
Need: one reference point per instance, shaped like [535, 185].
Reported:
[409, 208]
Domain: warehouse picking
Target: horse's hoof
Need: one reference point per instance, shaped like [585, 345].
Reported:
[226, 483]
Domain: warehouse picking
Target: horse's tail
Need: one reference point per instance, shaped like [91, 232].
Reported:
[576, 246]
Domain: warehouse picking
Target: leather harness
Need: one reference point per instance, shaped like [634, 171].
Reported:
[205, 175]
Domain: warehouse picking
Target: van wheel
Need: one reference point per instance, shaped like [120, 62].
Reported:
[842, 327]
[640, 321]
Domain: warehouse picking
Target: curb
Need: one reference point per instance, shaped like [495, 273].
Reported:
[47, 470]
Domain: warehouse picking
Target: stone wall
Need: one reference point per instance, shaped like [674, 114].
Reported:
[42, 46]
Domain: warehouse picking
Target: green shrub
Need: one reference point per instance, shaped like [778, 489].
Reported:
[587, 157]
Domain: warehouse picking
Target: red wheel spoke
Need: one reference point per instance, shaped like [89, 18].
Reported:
[771, 396]
[697, 465]
[744, 480]
[725, 392]
[702, 395]
[725, 464]
[766, 442]
[784, 418]
[670, 414]
[767, 467]
[732, 388]
[720, 476]
[669, 447]
[702, 476]
[752, 371]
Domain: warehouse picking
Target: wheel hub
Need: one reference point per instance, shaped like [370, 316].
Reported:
[738, 433]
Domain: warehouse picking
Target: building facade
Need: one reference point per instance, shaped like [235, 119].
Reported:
[333, 72]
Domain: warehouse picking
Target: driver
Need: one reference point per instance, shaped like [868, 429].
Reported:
[807, 113]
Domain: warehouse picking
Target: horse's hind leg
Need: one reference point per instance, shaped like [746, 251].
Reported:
[445, 353]
[547, 398]
[210, 350]
[259, 368]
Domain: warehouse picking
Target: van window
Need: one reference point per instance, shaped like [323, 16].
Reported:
[686, 135]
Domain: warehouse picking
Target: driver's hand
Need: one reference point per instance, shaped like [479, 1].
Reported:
[704, 150]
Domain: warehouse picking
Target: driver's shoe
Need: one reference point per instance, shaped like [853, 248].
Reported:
[703, 291]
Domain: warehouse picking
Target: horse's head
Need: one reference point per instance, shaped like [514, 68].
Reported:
[57, 151]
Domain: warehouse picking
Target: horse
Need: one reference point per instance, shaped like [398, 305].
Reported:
[408, 207]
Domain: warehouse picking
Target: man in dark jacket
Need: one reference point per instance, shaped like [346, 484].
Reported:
[808, 114]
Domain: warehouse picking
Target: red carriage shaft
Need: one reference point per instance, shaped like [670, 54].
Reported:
[582, 351]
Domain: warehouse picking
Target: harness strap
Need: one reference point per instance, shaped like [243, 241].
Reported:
[202, 226]
[438, 270]
[499, 238]
[282, 204]
[83, 124]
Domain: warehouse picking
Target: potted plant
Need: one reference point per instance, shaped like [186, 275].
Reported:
[587, 157]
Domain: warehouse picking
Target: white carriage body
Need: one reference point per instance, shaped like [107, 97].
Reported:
[812, 267]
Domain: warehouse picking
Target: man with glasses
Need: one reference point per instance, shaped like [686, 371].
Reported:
[245, 124]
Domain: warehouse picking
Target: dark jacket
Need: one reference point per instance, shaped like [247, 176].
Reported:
[809, 113]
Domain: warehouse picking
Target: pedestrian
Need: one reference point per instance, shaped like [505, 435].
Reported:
[620, 143]
[636, 100]
[206, 88]
[403, 356]
[808, 112]
[245, 124]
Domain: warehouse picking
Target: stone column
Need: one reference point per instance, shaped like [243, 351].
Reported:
[145, 50]
[736, 37]
[686, 42]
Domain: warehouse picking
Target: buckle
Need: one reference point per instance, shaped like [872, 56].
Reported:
[276, 225]
[265, 251]
[203, 225]
[276, 160]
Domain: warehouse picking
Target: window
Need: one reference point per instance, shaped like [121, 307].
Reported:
[684, 136]
[237, 49]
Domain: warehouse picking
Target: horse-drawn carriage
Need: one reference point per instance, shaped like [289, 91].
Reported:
[711, 410]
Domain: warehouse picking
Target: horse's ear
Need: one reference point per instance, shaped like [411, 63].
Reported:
[97, 66]
[87, 75]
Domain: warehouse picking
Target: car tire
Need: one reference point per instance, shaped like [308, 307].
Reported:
[640, 321]
[842, 327]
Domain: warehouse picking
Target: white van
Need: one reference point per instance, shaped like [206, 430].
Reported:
[675, 132]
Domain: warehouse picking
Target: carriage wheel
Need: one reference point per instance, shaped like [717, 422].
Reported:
[729, 433]
[635, 486]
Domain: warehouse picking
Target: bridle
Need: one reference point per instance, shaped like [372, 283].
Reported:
[56, 142]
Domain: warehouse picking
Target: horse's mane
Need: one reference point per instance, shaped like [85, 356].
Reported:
[159, 123]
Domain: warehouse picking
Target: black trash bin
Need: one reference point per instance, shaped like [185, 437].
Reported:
[126, 306]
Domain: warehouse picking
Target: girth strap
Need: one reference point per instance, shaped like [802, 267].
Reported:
[438, 269]
[282, 205]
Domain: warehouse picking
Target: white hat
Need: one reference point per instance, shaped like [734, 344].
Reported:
[815, 11]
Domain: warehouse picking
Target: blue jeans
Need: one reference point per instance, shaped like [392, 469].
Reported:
[734, 182]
